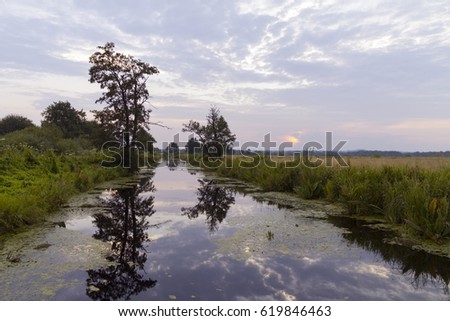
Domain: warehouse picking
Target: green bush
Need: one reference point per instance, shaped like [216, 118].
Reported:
[37, 138]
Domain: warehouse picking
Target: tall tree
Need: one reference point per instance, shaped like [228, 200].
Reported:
[215, 137]
[124, 79]
[66, 117]
[12, 123]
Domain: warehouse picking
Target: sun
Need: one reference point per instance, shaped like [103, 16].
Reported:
[291, 139]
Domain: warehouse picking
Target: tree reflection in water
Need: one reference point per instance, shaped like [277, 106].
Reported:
[124, 225]
[420, 267]
[214, 201]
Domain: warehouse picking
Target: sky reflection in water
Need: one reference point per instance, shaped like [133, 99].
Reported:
[190, 239]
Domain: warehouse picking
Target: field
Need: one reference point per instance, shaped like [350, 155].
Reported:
[432, 163]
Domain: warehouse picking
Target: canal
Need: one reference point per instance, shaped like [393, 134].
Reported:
[179, 234]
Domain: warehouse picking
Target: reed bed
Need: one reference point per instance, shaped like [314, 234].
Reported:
[414, 192]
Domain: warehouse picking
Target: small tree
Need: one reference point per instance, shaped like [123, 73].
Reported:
[215, 137]
[124, 79]
[173, 146]
[65, 117]
[172, 150]
[193, 146]
[11, 123]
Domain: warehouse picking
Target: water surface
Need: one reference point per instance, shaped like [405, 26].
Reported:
[178, 235]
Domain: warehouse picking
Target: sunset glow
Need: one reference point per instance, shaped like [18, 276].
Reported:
[291, 139]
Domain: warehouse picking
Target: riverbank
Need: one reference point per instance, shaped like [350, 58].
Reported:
[413, 201]
[35, 184]
[197, 236]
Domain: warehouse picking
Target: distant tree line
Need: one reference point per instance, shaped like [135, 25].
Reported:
[63, 129]
[12, 123]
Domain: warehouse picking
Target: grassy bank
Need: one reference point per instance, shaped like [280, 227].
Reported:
[34, 183]
[416, 197]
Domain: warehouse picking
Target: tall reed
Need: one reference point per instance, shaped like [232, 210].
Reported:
[410, 195]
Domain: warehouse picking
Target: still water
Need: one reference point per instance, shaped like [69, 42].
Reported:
[176, 234]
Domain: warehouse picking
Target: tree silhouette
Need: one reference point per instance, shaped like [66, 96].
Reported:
[65, 117]
[124, 79]
[213, 200]
[11, 123]
[124, 225]
[193, 146]
[215, 137]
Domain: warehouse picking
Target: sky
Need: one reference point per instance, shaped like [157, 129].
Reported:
[374, 73]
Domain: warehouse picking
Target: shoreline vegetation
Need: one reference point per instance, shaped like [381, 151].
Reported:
[42, 167]
[34, 185]
[407, 195]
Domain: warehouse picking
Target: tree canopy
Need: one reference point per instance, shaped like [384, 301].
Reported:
[193, 145]
[215, 137]
[65, 117]
[124, 80]
[11, 123]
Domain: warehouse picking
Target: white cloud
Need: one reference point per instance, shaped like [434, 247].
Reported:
[312, 54]
[26, 10]
[367, 269]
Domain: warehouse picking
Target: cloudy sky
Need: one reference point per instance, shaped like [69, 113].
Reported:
[375, 73]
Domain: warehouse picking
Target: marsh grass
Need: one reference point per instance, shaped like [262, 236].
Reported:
[413, 192]
[431, 163]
